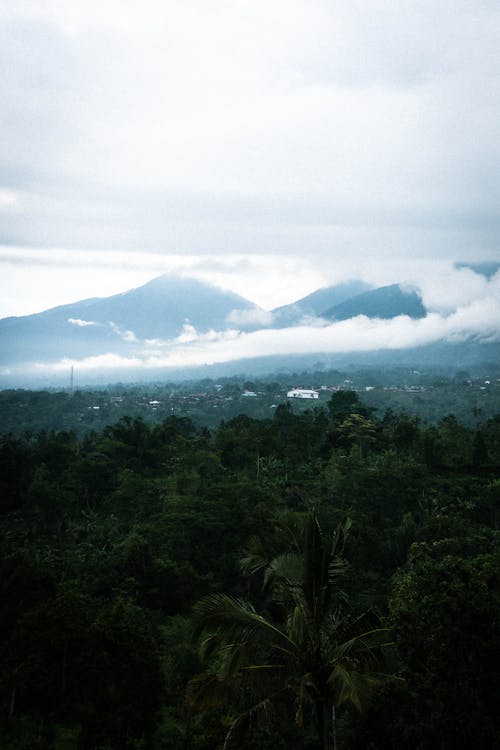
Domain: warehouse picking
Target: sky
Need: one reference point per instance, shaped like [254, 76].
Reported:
[267, 147]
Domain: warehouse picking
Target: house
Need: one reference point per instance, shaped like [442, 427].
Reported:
[302, 393]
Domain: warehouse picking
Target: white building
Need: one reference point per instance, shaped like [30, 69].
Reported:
[302, 393]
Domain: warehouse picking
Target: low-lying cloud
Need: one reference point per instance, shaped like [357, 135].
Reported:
[250, 318]
[124, 335]
[479, 321]
[81, 323]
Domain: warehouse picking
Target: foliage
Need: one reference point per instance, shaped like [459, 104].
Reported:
[110, 536]
[317, 651]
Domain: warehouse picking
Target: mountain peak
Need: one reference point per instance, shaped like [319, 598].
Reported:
[157, 310]
[384, 302]
[313, 305]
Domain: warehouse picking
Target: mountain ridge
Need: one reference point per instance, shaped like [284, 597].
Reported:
[158, 309]
[314, 304]
[384, 302]
[140, 329]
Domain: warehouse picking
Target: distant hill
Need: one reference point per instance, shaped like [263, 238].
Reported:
[480, 357]
[144, 325]
[384, 302]
[158, 309]
[315, 304]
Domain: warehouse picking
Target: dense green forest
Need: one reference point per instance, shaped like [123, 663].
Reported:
[167, 584]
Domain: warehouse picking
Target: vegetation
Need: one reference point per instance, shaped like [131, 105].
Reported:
[319, 652]
[293, 549]
[430, 395]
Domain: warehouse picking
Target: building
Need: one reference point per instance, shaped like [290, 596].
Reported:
[302, 393]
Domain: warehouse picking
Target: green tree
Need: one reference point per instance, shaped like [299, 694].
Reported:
[359, 431]
[314, 649]
[445, 610]
[344, 403]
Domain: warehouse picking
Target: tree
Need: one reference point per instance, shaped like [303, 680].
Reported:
[317, 651]
[445, 611]
[344, 403]
[359, 431]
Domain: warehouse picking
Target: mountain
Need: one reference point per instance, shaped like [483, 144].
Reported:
[156, 310]
[488, 270]
[316, 303]
[384, 302]
[154, 331]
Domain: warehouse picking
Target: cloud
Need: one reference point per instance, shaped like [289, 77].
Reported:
[479, 321]
[99, 362]
[45, 278]
[124, 335]
[81, 323]
[250, 318]
[268, 151]
[190, 335]
[235, 127]
[128, 336]
[457, 287]
[8, 199]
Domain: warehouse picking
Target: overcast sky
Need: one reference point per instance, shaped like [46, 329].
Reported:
[268, 146]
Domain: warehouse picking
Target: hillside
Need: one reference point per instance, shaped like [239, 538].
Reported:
[156, 310]
[315, 304]
[385, 302]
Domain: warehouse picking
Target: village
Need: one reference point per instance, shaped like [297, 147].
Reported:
[429, 396]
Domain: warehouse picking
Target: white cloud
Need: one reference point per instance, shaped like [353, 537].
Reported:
[8, 199]
[270, 149]
[81, 323]
[445, 292]
[190, 335]
[249, 318]
[99, 362]
[44, 278]
[479, 320]
[128, 336]
[226, 127]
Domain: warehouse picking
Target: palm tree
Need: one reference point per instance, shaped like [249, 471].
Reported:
[315, 651]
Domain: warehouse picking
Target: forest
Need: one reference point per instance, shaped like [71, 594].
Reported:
[324, 577]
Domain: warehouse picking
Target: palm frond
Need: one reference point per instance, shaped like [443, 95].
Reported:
[316, 637]
[227, 619]
[354, 686]
[289, 525]
[296, 625]
[340, 537]
[208, 646]
[337, 569]
[303, 694]
[253, 563]
[316, 561]
[259, 715]
[234, 657]
[207, 692]
[286, 569]
[256, 557]
[365, 644]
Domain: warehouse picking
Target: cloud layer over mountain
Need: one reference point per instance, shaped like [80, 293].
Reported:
[360, 130]
[475, 319]
[270, 149]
